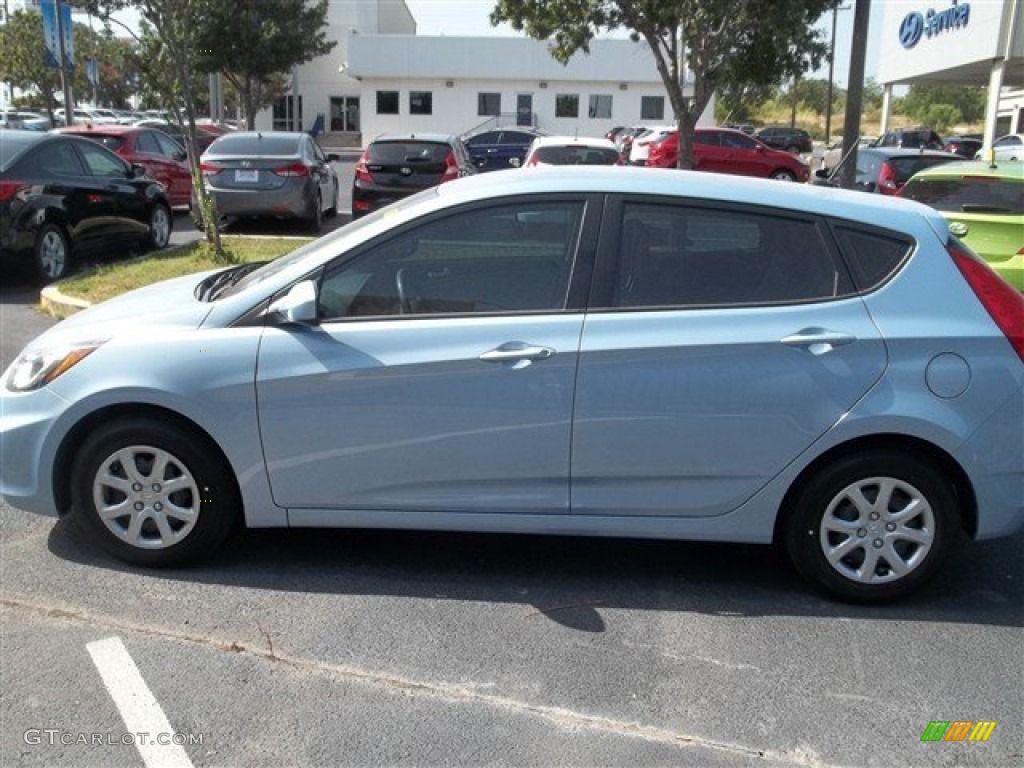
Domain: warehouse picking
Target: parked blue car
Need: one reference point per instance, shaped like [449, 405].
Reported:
[502, 149]
[592, 351]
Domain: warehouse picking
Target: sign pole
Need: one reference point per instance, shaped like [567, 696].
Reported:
[65, 80]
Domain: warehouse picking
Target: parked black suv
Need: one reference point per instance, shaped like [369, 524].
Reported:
[393, 167]
[793, 140]
[910, 138]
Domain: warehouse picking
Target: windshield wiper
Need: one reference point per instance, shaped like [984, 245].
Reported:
[217, 284]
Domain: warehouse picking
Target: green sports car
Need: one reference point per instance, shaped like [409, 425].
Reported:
[984, 206]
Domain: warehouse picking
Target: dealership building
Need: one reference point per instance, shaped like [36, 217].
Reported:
[962, 43]
[382, 77]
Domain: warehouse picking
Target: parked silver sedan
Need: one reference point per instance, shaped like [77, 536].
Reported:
[272, 174]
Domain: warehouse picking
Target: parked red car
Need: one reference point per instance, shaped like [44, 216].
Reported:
[163, 158]
[723, 150]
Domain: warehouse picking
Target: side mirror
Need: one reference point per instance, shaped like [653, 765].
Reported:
[181, 155]
[297, 307]
[136, 172]
[515, 162]
[822, 173]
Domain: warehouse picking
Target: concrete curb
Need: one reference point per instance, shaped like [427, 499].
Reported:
[58, 304]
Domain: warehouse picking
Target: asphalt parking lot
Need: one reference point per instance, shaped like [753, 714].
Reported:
[386, 648]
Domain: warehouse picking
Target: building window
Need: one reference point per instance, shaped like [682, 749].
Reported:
[421, 103]
[600, 105]
[288, 113]
[567, 105]
[488, 104]
[652, 107]
[387, 102]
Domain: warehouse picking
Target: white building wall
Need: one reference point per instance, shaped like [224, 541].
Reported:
[321, 79]
[455, 107]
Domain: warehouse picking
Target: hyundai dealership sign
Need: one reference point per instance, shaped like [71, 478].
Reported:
[916, 25]
[922, 37]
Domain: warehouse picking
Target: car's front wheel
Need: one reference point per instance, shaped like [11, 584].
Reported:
[783, 175]
[160, 225]
[152, 492]
[870, 528]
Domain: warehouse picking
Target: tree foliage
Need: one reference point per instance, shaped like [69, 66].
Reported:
[172, 27]
[23, 62]
[254, 41]
[969, 101]
[755, 42]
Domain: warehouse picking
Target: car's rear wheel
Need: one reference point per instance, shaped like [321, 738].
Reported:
[153, 493]
[783, 175]
[870, 528]
[333, 210]
[52, 253]
[160, 225]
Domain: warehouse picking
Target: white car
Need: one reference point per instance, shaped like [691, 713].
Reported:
[571, 150]
[87, 115]
[1008, 147]
[641, 147]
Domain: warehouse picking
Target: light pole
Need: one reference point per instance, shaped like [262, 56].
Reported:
[836, 7]
[65, 76]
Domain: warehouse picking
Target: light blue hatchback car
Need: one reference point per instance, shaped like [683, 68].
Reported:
[610, 352]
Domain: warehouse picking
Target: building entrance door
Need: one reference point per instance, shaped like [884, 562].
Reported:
[345, 113]
[524, 109]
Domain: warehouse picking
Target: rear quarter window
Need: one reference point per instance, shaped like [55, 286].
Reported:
[873, 256]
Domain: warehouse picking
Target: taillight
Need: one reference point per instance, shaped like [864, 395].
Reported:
[291, 170]
[451, 168]
[9, 188]
[362, 172]
[618, 161]
[887, 183]
[1003, 302]
[210, 169]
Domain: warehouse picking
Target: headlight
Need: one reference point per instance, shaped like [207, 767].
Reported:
[38, 368]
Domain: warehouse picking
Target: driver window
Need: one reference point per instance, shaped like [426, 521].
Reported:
[511, 258]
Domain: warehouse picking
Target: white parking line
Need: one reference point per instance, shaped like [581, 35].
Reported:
[138, 707]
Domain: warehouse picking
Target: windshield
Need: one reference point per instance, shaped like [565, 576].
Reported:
[967, 194]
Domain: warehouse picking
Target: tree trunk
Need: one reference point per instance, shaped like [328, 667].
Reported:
[247, 102]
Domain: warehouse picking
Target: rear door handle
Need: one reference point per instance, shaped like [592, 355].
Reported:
[519, 353]
[818, 341]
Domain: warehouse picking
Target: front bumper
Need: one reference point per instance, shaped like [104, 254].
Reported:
[27, 450]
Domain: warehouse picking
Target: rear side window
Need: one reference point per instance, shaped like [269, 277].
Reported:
[873, 257]
[406, 152]
[968, 194]
[678, 256]
[59, 158]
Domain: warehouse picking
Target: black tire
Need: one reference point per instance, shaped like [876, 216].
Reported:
[316, 221]
[51, 254]
[829, 494]
[204, 485]
[783, 175]
[161, 223]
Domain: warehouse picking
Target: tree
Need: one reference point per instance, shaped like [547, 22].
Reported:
[718, 41]
[254, 41]
[968, 100]
[23, 62]
[172, 26]
[941, 117]
[116, 68]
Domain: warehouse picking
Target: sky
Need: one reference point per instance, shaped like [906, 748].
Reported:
[470, 18]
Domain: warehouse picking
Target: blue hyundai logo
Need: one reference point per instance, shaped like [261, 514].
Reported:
[911, 29]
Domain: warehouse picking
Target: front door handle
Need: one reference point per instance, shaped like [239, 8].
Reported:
[519, 353]
[818, 341]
